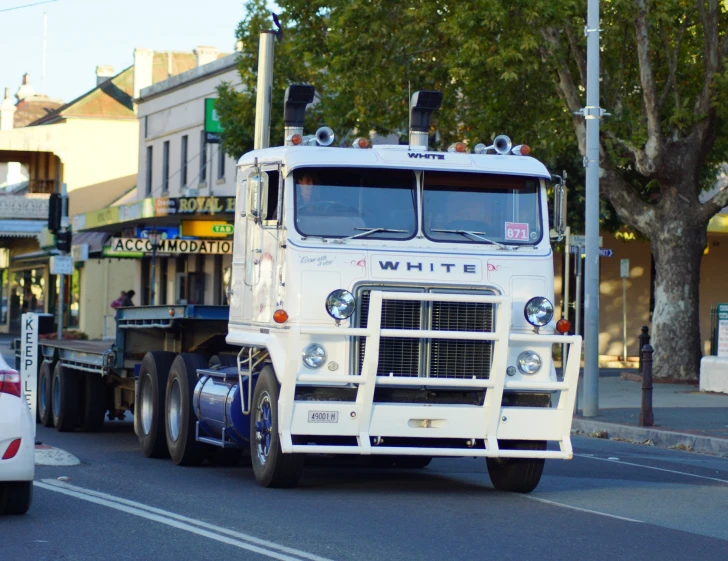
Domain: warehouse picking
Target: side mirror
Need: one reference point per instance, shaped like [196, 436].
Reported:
[559, 206]
[258, 195]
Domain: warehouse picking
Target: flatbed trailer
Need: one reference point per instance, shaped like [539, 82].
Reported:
[80, 382]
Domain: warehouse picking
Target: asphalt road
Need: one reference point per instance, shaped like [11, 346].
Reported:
[613, 501]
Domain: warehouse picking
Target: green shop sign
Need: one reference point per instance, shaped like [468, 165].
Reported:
[213, 128]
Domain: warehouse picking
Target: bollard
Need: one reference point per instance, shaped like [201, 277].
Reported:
[644, 339]
[647, 418]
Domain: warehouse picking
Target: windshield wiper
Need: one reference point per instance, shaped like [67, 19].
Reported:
[480, 236]
[368, 231]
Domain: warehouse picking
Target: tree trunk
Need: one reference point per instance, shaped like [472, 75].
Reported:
[678, 249]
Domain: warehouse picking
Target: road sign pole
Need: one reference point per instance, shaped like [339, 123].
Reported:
[61, 277]
[592, 113]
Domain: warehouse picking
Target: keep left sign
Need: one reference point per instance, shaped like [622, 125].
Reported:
[29, 360]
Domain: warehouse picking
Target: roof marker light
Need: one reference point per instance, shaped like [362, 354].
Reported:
[457, 147]
[521, 150]
[480, 148]
[361, 142]
[294, 140]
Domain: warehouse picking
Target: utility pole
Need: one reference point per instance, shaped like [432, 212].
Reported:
[61, 277]
[592, 113]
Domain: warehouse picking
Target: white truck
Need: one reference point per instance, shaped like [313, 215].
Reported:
[388, 301]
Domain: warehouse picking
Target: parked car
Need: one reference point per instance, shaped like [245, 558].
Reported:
[17, 444]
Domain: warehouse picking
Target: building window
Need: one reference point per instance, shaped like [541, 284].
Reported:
[165, 167]
[183, 166]
[149, 171]
[220, 162]
[203, 157]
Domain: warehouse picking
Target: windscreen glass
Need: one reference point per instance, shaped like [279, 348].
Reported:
[467, 207]
[345, 202]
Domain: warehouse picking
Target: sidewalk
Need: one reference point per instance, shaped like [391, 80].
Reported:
[685, 418]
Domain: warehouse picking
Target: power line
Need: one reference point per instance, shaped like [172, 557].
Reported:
[26, 6]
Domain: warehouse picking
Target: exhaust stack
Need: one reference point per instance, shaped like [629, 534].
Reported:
[297, 97]
[265, 90]
[422, 104]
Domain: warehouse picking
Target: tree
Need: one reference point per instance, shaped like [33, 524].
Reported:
[519, 66]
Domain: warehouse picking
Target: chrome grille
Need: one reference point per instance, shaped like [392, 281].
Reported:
[453, 358]
[399, 357]
[444, 358]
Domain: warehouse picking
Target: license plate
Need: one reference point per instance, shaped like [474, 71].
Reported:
[323, 416]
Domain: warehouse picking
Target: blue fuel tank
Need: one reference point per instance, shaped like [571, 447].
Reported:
[217, 404]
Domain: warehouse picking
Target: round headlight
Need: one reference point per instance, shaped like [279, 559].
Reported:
[538, 311]
[314, 356]
[529, 362]
[340, 304]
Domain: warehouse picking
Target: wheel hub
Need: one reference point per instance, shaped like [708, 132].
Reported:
[263, 427]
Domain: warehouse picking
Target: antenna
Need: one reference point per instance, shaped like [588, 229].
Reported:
[43, 71]
[409, 113]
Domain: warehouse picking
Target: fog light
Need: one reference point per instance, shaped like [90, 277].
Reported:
[538, 311]
[314, 356]
[340, 304]
[529, 362]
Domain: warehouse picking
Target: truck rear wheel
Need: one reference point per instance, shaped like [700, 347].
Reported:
[180, 419]
[64, 392]
[45, 379]
[272, 468]
[517, 475]
[94, 402]
[149, 403]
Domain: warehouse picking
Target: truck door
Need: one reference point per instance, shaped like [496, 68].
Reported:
[236, 291]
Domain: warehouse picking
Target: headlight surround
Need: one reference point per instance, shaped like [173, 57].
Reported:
[538, 311]
[529, 362]
[340, 304]
[314, 356]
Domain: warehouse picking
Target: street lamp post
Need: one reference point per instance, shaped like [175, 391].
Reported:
[154, 238]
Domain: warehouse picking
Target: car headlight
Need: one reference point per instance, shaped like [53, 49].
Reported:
[529, 362]
[340, 304]
[538, 311]
[314, 356]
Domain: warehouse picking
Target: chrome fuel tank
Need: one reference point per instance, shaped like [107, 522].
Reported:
[217, 404]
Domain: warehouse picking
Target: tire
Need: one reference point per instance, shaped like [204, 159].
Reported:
[517, 475]
[94, 402]
[412, 462]
[64, 393]
[149, 403]
[16, 497]
[179, 417]
[222, 360]
[272, 468]
[45, 382]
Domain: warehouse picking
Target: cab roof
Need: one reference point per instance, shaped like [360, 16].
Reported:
[395, 156]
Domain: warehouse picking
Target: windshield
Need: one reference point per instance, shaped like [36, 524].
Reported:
[467, 207]
[343, 203]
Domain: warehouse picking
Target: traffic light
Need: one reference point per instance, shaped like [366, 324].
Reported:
[63, 241]
[55, 212]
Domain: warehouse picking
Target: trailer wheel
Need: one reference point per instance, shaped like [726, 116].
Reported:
[94, 402]
[45, 380]
[15, 497]
[272, 468]
[149, 403]
[517, 475]
[412, 462]
[64, 391]
[183, 447]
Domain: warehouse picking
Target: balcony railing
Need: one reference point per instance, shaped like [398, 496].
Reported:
[42, 186]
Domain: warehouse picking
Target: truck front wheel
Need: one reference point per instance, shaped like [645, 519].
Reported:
[517, 475]
[271, 466]
[149, 403]
[183, 447]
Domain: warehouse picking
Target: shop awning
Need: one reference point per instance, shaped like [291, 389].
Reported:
[21, 228]
[95, 240]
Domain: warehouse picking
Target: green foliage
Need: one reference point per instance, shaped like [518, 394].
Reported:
[498, 71]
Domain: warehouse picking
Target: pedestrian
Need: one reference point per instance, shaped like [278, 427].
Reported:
[117, 303]
[126, 300]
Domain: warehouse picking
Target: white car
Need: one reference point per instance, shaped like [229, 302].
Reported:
[17, 444]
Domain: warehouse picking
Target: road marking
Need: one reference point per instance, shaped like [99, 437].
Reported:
[653, 467]
[562, 505]
[50, 456]
[217, 533]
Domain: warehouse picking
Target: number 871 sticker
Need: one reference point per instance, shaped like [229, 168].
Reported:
[517, 231]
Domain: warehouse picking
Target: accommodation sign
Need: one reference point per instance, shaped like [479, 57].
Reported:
[143, 245]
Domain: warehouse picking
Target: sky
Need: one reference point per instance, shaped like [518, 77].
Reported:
[83, 34]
